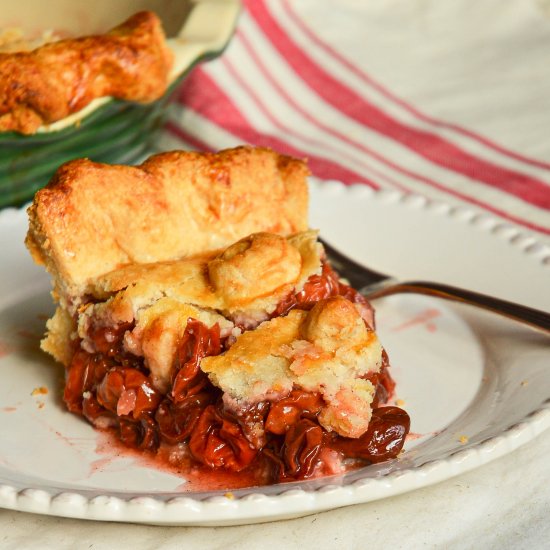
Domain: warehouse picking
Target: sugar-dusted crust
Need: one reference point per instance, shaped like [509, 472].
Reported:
[158, 299]
[254, 268]
[124, 292]
[327, 350]
[130, 62]
[92, 219]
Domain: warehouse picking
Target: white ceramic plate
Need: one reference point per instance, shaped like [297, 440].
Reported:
[476, 387]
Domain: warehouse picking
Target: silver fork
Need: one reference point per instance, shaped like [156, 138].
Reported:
[373, 284]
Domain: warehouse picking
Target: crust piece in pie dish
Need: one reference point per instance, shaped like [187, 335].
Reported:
[197, 311]
[44, 85]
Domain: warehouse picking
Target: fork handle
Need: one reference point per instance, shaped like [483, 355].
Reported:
[535, 318]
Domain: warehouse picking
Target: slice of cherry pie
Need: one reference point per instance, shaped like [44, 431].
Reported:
[245, 356]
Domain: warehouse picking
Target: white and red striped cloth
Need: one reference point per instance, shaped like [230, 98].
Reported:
[450, 100]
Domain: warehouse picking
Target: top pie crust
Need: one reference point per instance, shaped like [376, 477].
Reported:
[93, 219]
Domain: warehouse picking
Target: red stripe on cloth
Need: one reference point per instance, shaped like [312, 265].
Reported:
[203, 95]
[401, 102]
[347, 139]
[425, 144]
[290, 131]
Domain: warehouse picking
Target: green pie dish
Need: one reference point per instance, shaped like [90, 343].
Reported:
[110, 130]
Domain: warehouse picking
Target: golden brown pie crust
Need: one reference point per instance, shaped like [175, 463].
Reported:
[92, 219]
[326, 350]
[131, 62]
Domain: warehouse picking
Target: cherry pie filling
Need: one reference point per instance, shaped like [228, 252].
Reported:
[281, 440]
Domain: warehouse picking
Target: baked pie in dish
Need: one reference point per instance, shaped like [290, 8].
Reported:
[47, 84]
[111, 88]
[198, 315]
